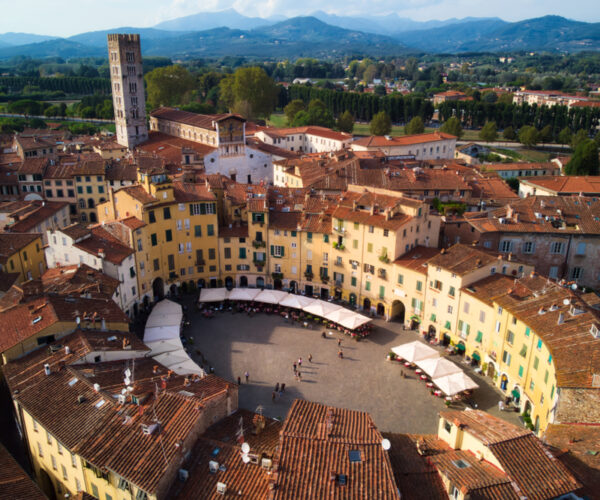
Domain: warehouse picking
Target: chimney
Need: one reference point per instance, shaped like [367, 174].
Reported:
[47, 369]
[67, 350]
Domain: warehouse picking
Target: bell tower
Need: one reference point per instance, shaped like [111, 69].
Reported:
[127, 84]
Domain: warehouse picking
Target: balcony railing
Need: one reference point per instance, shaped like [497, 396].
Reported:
[259, 244]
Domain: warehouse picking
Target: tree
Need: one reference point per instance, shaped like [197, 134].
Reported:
[528, 135]
[546, 134]
[316, 114]
[578, 138]
[415, 126]
[489, 132]
[345, 122]
[293, 108]
[509, 134]
[249, 91]
[584, 160]
[452, 126]
[564, 136]
[381, 124]
[379, 90]
[169, 85]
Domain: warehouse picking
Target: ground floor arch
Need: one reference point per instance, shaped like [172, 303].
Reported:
[491, 369]
[243, 281]
[260, 282]
[338, 294]
[352, 299]
[398, 311]
[516, 394]
[229, 282]
[380, 309]
[201, 283]
[461, 348]
[293, 288]
[527, 408]
[158, 289]
[324, 293]
[46, 483]
[367, 304]
[475, 358]
[277, 284]
[308, 290]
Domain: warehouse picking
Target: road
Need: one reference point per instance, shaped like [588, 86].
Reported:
[61, 118]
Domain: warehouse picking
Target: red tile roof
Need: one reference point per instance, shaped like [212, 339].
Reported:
[139, 193]
[104, 245]
[417, 259]
[11, 243]
[15, 484]
[405, 140]
[587, 185]
[193, 119]
[40, 211]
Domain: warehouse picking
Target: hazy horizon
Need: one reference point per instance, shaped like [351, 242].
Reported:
[65, 18]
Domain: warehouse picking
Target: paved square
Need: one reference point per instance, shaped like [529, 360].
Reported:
[266, 347]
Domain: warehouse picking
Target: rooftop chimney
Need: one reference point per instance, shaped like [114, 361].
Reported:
[47, 369]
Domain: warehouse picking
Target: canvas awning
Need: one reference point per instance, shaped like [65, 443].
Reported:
[213, 294]
[296, 301]
[321, 308]
[476, 356]
[243, 293]
[454, 383]
[164, 321]
[348, 319]
[161, 346]
[271, 296]
[161, 333]
[414, 351]
[438, 367]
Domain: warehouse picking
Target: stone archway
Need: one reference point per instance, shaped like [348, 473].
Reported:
[381, 309]
[229, 282]
[158, 289]
[277, 284]
[398, 311]
[352, 299]
[293, 286]
[367, 305]
[491, 369]
[260, 282]
[243, 281]
[46, 484]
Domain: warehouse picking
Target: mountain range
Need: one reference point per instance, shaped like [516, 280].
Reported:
[321, 36]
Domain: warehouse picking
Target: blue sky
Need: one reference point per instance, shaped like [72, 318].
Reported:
[69, 17]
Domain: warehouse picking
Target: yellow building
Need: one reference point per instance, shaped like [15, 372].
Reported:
[22, 253]
[179, 240]
[90, 188]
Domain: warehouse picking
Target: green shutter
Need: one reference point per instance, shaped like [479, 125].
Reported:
[468, 328]
[293, 233]
[460, 324]
[447, 326]
[272, 249]
[479, 337]
[282, 251]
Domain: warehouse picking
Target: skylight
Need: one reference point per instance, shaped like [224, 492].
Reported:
[73, 381]
[354, 456]
[461, 464]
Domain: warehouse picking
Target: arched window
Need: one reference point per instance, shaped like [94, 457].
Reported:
[81, 203]
[83, 218]
[91, 203]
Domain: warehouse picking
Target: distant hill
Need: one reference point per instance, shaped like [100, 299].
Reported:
[14, 39]
[229, 18]
[98, 38]
[549, 33]
[58, 47]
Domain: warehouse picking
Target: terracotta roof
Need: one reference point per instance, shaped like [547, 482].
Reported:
[193, 119]
[234, 231]
[33, 166]
[316, 441]
[121, 171]
[541, 214]
[186, 192]
[404, 140]
[30, 143]
[139, 193]
[483, 426]
[25, 320]
[77, 280]
[577, 446]
[492, 190]
[417, 259]
[40, 211]
[285, 220]
[172, 148]
[132, 223]
[76, 231]
[7, 280]
[462, 259]
[521, 166]
[102, 242]
[11, 243]
[255, 143]
[15, 484]
[587, 185]
[60, 171]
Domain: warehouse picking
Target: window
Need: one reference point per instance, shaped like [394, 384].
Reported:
[510, 337]
[479, 336]
[88, 189]
[80, 189]
[452, 291]
[60, 448]
[242, 254]
[381, 292]
[371, 229]
[506, 358]
[353, 281]
[40, 450]
[505, 246]
[553, 272]
[48, 438]
[95, 491]
[368, 286]
[580, 250]
[436, 284]
[156, 265]
[466, 307]
[197, 231]
[277, 250]
[77, 484]
[355, 244]
[64, 472]
[171, 261]
[536, 363]
[139, 245]
[212, 254]
[227, 252]
[151, 216]
[153, 239]
[53, 459]
[482, 316]
[531, 385]
[168, 235]
[539, 344]
[557, 247]
[447, 426]
[325, 237]
[528, 247]
[527, 331]
[523, 351]
[520, 371]
[210, 230]
[576, 273]
[419, 286]
[369, 247]
[181, 247]
[401, 279]
[450, 309]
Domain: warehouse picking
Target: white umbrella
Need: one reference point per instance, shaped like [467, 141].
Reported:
[271, 296]
[172, 358]
[213, 294]
[161, 333]
[414, 351]
[455, 383]
[340, 314]
[355, 321]
[296, 301]
[438, 367]
[166, 306]
[243, 293]
[321, 308]
[161, 346]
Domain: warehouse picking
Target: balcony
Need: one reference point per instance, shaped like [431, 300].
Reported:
[340, 230]
[384, 258]
[338, 246]
[277, 276]
[308, 275]
[324, 278]
[381, 274]
[338, 263]
[259, 244]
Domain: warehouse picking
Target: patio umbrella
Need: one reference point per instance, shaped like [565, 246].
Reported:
[161, 346]
[296, 301]
[213, 294]
[414, 351]
[455, 383]
[243, 293]
[438, 367]
[340, 314]
[355, 321]
[165, 313]
[271, 296]
[172, 358]
[321, 308]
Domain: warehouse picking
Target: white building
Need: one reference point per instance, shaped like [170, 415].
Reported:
[432, 146]
[97, 248]
[310, 139]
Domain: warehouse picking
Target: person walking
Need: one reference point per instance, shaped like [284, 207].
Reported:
[299, 363]
[247, 375]
[339, 342]
[239, 381]
[277, 387]
[294, 367]
[341, 354]
[300, 376]
[273, 396]
[310, 358]
[283, 387]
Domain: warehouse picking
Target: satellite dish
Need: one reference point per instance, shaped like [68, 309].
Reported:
[245, 458]
[245, 447]
[566, 302]
[386, 445]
